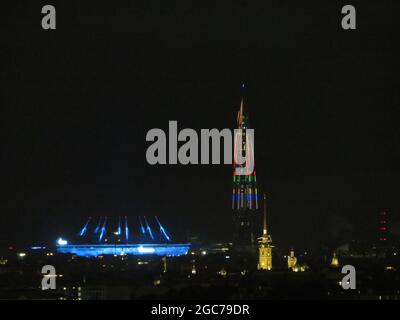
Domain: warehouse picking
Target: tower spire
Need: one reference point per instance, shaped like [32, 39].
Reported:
[265, 215]
[241, 115]
[244, 193]
[265, 247]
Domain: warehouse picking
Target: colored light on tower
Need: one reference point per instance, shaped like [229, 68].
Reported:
[245, 198]
[383, 231]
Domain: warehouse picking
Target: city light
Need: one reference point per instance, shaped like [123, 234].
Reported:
[62, 242]
[146, 250]
[98, 250]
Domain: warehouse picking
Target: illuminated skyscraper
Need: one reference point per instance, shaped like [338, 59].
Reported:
[265, 247]
[244, 193]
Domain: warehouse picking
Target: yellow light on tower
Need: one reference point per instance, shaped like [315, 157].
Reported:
[291, 260]
[265, 241]
[335, 261]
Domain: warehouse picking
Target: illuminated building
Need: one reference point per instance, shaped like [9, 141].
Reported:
[223, 272]
[300, 268]
[265, 244]
[244, 193]
[194, 270]
[99, 242]
[291, 260]
[335, 261]
[164, 260]
[390, 268]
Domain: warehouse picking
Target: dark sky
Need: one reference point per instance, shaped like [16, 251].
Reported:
[76, 104]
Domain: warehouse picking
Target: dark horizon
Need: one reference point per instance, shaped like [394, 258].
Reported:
[78, 102]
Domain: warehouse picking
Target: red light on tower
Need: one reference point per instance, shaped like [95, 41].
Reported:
[382, 228]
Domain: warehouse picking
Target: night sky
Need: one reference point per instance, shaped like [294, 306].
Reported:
[76, 104]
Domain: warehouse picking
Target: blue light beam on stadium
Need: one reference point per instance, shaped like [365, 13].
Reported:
[126, 229]
[96, 230]
[84, 229]
[148, 229]
[163, 231]
[118, 232]
[141, 227]
[103, 229]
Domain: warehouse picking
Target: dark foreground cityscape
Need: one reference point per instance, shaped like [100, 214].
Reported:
[208, 271]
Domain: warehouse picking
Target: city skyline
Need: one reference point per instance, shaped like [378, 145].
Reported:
[204, 154]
